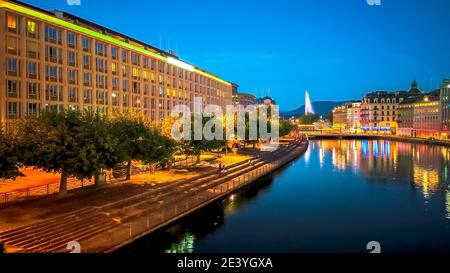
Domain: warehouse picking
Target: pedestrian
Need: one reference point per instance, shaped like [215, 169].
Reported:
[2, 249]
[250, 162]
[223, 169]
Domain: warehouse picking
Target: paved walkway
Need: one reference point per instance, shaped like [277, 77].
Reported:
[37, 183]
[104, 212]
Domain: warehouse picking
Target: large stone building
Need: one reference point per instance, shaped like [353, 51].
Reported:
[340, 117]
[55, 60]
[244, 99]
[405, 117]
[420, 116]
[445, 108]
[354, 116]
[379, 110]
[427, 116]
[266, 101]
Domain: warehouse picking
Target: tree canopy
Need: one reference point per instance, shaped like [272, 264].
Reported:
[309, 119]
[9, 161]
[69, 142]
[138, 140]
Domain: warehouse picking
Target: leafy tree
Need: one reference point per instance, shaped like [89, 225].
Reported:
[69, 142]
[100, 143]
[285, 127]
[9, 161]
[309, 119]
[139, 141]
[197, 147]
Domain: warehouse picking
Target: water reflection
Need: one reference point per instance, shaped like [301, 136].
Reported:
[387, 161]
[182, 236]
[339, 196]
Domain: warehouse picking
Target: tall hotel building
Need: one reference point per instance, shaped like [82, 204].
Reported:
[445, 108]
[54, 60]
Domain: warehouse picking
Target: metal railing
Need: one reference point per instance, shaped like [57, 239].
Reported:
[157, 217]
[42, 190]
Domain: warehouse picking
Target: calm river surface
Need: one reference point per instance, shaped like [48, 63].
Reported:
[339, 196]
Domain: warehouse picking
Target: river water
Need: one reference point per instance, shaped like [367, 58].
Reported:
[338, 197]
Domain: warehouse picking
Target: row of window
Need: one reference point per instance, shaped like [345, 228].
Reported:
[54, 35]
[13, 108]
[55, 73]
[55, 93]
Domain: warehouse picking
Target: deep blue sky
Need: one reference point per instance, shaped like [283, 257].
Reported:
[336, 49]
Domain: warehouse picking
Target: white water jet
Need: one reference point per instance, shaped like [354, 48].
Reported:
[308, 105]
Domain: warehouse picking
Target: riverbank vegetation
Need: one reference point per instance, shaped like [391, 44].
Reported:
[85, 145]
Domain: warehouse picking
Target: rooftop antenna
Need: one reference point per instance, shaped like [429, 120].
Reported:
[160, 42]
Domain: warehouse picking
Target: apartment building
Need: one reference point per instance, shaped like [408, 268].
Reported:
[420, 116]
[427, 116]
[244, 99]
[444, 102]
[354, 116]
[379, 110]
[340, 117]
[55, 60]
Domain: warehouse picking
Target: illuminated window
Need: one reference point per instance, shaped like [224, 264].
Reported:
[114, 67]
[31, 27]
[12, 22]
[135, 72]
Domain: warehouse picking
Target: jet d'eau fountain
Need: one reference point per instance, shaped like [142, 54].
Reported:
[308, 105]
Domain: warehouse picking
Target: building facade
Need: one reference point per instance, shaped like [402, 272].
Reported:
[244, 99]
[354, 116]
[405, 117]
[60, 61]
[427, 117]
[444, 101]
[266, 101]
[379, 110]
[340, 117]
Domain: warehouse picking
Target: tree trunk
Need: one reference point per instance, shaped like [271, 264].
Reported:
[63, 184]
[128, 170]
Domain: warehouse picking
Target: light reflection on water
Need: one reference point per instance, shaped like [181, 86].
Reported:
[379, 160]
[340, 195]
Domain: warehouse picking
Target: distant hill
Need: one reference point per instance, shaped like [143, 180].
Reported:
[322, 108]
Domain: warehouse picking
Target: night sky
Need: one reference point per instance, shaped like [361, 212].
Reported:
[336, 49]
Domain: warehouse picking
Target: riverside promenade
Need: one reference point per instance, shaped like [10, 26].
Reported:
[127, 213]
